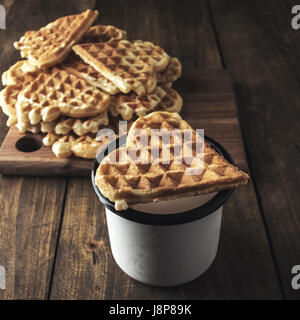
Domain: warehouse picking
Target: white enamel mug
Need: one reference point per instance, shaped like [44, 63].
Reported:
[166, 243]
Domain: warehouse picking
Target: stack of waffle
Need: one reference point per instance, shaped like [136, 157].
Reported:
[77, 78]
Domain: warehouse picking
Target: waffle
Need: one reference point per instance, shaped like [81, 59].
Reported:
[18, 73]
[132, 181]
[52, 43]
[171, 102]
[68, 145]
[131, 104]
[56, 92]
[9, 95]
[25, 127]
[123, 63]
[79, 68]
[86, 146]
[16, 79]
[84, 71]
[151, 54]
[8, 99]
[160, 120]
[66, 125]
[101, 33]
[80, 127]
[171, 73]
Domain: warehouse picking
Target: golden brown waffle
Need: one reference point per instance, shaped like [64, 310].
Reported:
[66, 125]
[16, 79]
[151, 54]
[67, 145]
[80, 127]
[101, 33]
[56, 92]
[86, 146]
[84, 71]
[17, 74]
[131, 104]
[8, 99]
[9, 95]
[160, 120]
[22, 127]
[79, 68]
[52, 43]
[171, 73]
[126, 181]
[171, 102]
[124, 64]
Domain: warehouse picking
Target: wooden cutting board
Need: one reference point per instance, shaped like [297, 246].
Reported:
[209, 104]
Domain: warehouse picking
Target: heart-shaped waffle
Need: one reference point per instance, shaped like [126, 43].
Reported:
[56, 92]
[130, 66]
[130, 175]
[52, 43]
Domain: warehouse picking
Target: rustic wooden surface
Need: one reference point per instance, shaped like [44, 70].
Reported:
[265, 71]
[53, 237]
[25, 154]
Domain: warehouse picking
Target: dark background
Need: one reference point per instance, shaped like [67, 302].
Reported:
[255, 42]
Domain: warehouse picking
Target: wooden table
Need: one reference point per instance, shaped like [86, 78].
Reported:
[53, 236]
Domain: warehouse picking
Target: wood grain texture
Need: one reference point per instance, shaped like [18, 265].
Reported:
[178, 27]
[85, 268]
[266, 74]
[29, 220]
[290, 4]
[30, 208]
[16, 159]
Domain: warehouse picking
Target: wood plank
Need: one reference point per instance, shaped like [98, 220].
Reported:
[31, 208]
[261, 50]
[29, 221]
[85, 268]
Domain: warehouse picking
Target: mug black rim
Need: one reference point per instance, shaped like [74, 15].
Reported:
[164, 219]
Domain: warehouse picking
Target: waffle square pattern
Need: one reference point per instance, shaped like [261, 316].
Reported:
[131, 174]
[52, 43]
[130, 66]
[56, 92]
[102, 33]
